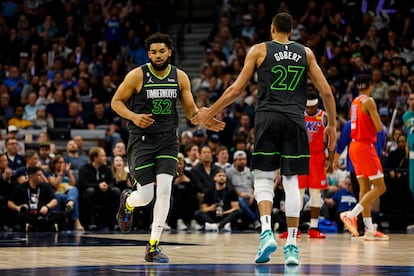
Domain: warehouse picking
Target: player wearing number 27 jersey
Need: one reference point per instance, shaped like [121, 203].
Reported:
[281, 100]
[283, 68]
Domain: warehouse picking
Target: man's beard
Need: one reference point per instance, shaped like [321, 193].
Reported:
[159, 67]
[240, 168]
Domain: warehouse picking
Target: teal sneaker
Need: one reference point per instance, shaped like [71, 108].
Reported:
[267, 246]
[291, 253]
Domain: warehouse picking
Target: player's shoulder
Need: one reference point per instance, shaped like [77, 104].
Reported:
[258, 47]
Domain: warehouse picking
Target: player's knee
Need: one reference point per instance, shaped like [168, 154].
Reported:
[146, 194]
[382, 189]
[263, 189]
[259, 174]
[164, 184]
[315, 197]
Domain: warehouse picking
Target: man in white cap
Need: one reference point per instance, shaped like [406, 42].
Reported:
[241, 178]
[12, 131]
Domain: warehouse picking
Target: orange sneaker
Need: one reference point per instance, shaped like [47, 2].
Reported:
[284, 235]
[314, 233]
[375, 236]
[350, 223]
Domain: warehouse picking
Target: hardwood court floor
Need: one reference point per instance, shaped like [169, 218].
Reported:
[69, 253]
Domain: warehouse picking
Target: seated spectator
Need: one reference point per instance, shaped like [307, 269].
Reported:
[97, 189]
[392, 144]
[63, 183]
[44, 97]
[118, 150]
[213, 142]
[105, 90]
[31, 158]
[41, 121]
[120, 173]
[200, 137]
[192, 153]
[12, 132]
[6, 110]
[185, 139]
[18, 120]
[69, 80]
[82, 151]
[248, 30]
[241, 179]
[6, 189]
[204, 173]
[15, 83]
[15, 160]
[222, 155]
[71, 155]
[43, 137]
[341, 201]
[34, 202]
[74, 113]
[101, 119]
[397, 161]
[220, 206]
[44, 155]
[58, 108]
[30, 108]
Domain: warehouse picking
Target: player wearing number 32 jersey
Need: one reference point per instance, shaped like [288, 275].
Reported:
[147, 99]
[283, 68]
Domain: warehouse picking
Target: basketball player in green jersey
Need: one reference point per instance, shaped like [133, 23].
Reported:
[147, 98]
[283, 68]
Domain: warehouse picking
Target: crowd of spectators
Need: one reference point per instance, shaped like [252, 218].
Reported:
[61, 62]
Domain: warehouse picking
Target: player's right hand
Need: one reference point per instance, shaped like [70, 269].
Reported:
[142, 120]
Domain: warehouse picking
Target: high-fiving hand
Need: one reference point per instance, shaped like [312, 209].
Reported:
[204, 119]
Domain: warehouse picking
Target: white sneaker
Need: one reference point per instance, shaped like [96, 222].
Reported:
[213, 227]
[181, 225]
[227, 227]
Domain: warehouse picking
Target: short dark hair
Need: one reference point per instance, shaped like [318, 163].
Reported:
[33, 170]
[158, 38]
[221, 170]
[283, 22]
[362, 81]
[30, 153]
[312, 95]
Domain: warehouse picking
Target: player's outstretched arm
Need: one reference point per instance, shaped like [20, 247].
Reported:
[190, 108]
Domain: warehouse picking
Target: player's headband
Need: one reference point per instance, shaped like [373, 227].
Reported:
[312, 102]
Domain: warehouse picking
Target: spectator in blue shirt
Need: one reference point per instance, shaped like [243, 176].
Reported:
[343, 200]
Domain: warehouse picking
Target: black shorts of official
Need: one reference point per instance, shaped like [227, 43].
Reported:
[149, 155]
[280, 143]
